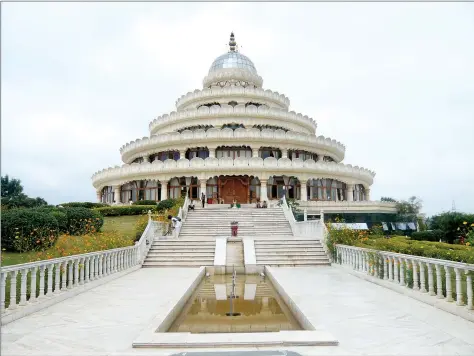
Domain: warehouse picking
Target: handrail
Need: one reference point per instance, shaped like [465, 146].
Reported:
[66, 274]
[422, 278]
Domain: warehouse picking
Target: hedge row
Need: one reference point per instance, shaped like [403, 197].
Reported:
[440, 250]
[87, 205]
[429, 235]
[125, 210]
[145, 202]
[38, 229]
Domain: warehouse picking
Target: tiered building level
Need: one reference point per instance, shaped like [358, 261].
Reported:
[233, 140]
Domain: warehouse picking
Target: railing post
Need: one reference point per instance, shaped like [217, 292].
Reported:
[76, 272]
[24, 274]
[385, 267]
[390, 269]
[87, 262]
[422, 278]
[70, 276]
[57, 278]
[64, 276]
[82, 266]
[50, 279]
[449, 290]
[439, 282]
[13, 290]
[402, 271]
[41, 282]
[459, 293]
[395, 270]
[415, 275]
[3, 286]
[469, 289]
[33, 271]
[431, 290]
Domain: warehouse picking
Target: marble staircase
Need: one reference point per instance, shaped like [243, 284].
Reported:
[290, 253]
[214, 220]
[181, 253]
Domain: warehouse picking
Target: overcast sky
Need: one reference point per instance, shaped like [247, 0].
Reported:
[394, 82]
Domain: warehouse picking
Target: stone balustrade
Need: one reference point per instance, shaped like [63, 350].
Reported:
[434, 278]
[270, 116]
[168, 169]
[212, 95]
[29, 287]
[243, 136]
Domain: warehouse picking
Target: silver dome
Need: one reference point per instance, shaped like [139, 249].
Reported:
[233, 60]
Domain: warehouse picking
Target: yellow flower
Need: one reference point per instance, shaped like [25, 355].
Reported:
[468, 243]
[472, 224]
[465, 223]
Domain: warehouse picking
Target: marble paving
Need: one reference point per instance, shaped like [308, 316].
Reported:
[367, 319]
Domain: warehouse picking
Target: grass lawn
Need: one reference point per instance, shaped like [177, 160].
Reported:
[123, 226]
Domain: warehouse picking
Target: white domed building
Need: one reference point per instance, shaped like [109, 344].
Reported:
[234, 140]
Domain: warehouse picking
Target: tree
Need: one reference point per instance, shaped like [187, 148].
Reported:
[13, 196]
[450, 223]
[408, 210]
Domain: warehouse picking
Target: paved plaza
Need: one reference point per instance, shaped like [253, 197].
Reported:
[365, 318]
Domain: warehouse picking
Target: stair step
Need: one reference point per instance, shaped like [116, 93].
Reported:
[175, 259]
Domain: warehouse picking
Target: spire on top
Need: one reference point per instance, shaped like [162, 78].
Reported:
[232, 43]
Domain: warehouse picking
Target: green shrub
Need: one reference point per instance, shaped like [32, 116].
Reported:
[59, 214]
[88, 205]
[428, 235]
[140, 227]
[83, 220]
[145, 202]
[376, 230]
[125, 210]
[166, 204]
[28, 230]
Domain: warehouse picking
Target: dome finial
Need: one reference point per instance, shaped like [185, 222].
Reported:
[232, 43]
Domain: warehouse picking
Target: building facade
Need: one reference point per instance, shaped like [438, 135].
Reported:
[235, 141]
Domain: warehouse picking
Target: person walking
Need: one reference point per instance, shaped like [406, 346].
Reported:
[203, 199]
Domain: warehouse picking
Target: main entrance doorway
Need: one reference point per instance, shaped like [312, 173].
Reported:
[234, 188]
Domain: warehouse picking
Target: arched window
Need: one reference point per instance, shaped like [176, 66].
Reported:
[326, 189]
[233, 126]
[328, 159]
[254, 190]
[195, 128]
[164, 155]
[303, 155]
[107, 196]
[265, 152]
[280, 186]
[140, 190]
[233, 152]
[359, 192]
[201, 152]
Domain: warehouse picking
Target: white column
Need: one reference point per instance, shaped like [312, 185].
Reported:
[146, 159]
[422, 278]
[57, 278]
[469, 289]
[431, 290]
[164, 190]
[24, 273]
[3, 286]
[305, 214]
[385, 267]
[415, 275]
[439, 282]
[395, 270]
[367, 194]
[117, 194]
[33, 271]
[459, 293]
[13, 290]
[203, 187]
[320, 157]
[350, 192]
[449, 290]
[255, 152]
[304, 193]
[263, 190]
[212, 152]
[99, 196]
[182, 154]
[402, 271]
[284, 153]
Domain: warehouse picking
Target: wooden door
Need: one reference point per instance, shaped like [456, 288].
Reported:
[234, 188]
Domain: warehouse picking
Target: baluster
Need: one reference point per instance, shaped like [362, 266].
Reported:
[81, 271]
[431, 290]
[449, 290]
[24, 274]
[87, 262]
[122, 260]
[106, 264]
[439, 282]
[395, 269]
[390, 269]
[33, 271]
[415, 275]
[57, 278]
[469, 289]
[422, 277]
[50, 279]
[402, 271]
[64, 275]
[385, 267]
[13, 290]
[99, 262]
[70, 274]
[76, 272]
[41, 284]
[459, 293]
[92, 272]
[3, 286]
[115, 264]
[126, 259]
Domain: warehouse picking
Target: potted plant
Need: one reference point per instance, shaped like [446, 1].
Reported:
[234, 227]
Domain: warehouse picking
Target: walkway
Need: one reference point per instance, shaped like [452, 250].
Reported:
[365, 318]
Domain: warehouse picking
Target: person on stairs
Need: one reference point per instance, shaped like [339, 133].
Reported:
[191, 205]
[203, 199]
